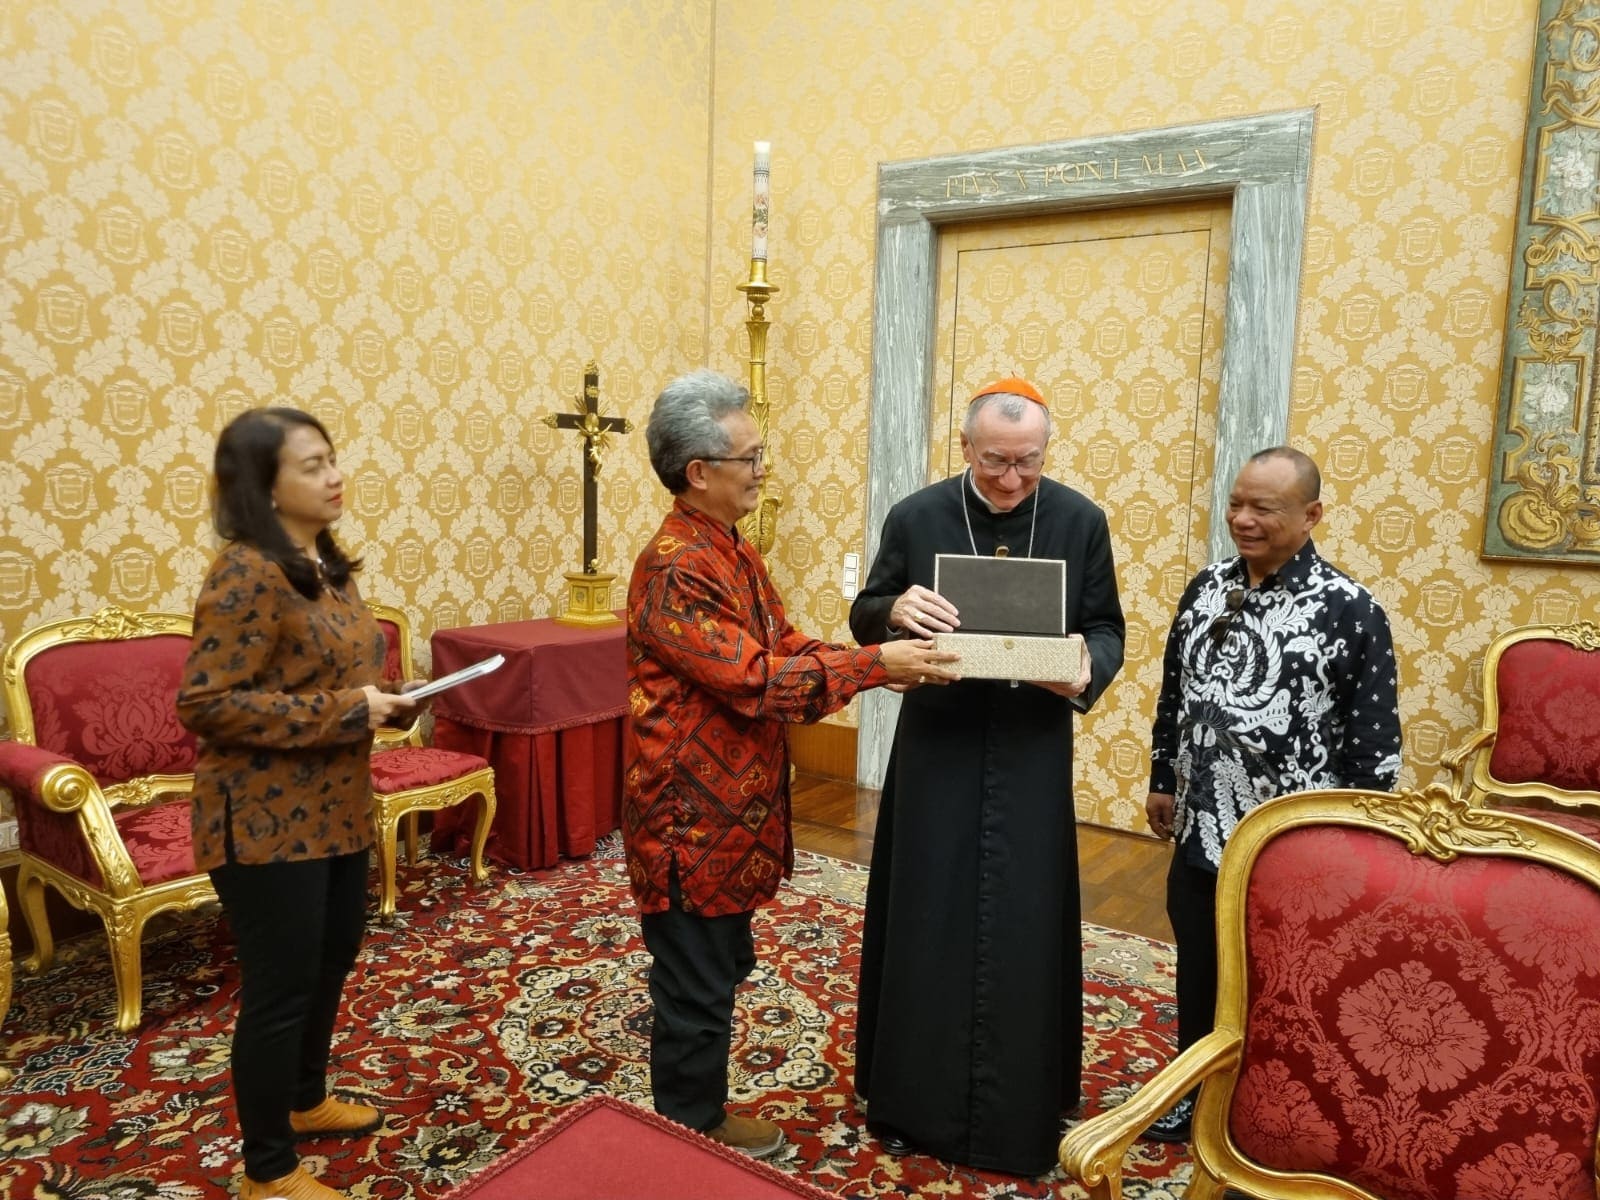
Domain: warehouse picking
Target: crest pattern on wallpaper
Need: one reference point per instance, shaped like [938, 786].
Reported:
[354, 209]
[182, 180]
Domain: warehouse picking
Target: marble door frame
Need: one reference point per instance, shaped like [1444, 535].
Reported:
[1262, 163]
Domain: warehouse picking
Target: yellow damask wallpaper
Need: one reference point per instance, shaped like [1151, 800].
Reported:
[421, 220]
[416, 221]
[1420, 111]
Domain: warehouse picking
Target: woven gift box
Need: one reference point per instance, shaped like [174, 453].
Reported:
[1013, 618]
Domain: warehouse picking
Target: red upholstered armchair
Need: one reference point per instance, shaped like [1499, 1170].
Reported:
[1409, 1008]
[100, 771]
[1540, 738]
[408, 777]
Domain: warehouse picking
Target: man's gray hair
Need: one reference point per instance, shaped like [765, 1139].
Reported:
[684, 423]
[1010, 405]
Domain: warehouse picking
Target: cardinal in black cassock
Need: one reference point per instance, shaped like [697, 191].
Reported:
[969, 1042]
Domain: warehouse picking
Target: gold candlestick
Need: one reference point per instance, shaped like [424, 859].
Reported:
[761, 526]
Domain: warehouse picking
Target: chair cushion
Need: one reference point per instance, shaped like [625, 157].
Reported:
[159, 840]
[407, 767]
[157, 837]
[112, 706]
[1427, 1030]
[1549, 697]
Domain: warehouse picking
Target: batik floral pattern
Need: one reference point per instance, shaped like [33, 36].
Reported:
[1296, 690]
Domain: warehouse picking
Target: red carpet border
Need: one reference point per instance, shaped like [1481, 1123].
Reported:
[480, 1015]
[603, 1146]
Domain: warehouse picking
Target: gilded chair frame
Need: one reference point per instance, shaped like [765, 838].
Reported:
[397, 811]
[5, 973]
[1469, 764]
[124, 904]
[1434, 822]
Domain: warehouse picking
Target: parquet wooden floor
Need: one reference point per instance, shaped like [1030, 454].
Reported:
[1122, 875]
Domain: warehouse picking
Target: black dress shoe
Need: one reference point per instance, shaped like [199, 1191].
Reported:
[896, 1145]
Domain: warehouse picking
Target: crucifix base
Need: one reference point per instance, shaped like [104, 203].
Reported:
[590, 599]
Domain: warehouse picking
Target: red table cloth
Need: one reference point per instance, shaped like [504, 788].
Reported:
[550, 723]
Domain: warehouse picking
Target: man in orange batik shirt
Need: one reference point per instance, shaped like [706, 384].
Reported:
[715, 672]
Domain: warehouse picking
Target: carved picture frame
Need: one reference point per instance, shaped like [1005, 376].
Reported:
[1544, 471]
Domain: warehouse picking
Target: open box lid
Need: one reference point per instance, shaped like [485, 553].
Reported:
[1004, 595]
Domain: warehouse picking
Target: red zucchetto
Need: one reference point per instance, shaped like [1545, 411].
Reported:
[1014, 385]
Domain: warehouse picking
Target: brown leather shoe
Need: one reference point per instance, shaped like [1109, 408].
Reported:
[748, 1135]
[296, 1185]
[335, 1118]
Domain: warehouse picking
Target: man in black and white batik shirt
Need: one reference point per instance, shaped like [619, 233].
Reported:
[1279, 676]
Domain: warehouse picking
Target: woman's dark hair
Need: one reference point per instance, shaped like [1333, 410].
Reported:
[246, 468]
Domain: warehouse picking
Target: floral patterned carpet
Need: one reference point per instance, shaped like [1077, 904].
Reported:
[479, 1013]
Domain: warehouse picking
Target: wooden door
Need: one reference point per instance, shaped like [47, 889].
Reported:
[1118, 318]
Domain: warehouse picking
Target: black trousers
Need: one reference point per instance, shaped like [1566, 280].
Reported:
[1192, 909]
[298, 926]
[698, 963]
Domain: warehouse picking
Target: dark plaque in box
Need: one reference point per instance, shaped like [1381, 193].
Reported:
[1013, 617]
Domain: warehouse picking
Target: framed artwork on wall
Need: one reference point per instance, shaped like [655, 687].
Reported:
[1544, 476]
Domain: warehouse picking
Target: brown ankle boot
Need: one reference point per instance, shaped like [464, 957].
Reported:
[296, 1185]
[335, 1118]
[748, 1135]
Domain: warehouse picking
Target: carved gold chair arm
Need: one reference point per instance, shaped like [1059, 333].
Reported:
[23, 765]
[49, 780]
[1092, 1153]
[43, 777]
[148, 789]
[69, 789]
[5, 978]
[1458, 760]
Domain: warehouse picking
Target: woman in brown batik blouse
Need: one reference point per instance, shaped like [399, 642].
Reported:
[284, 687]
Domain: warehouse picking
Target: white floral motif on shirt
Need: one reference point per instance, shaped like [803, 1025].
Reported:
[1259, 709]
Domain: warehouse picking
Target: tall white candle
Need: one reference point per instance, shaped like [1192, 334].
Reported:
[761, 210]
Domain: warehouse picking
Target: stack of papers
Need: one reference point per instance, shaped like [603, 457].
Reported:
[457, 678]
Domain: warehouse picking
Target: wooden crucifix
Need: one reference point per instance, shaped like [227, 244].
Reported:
[590, 594]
